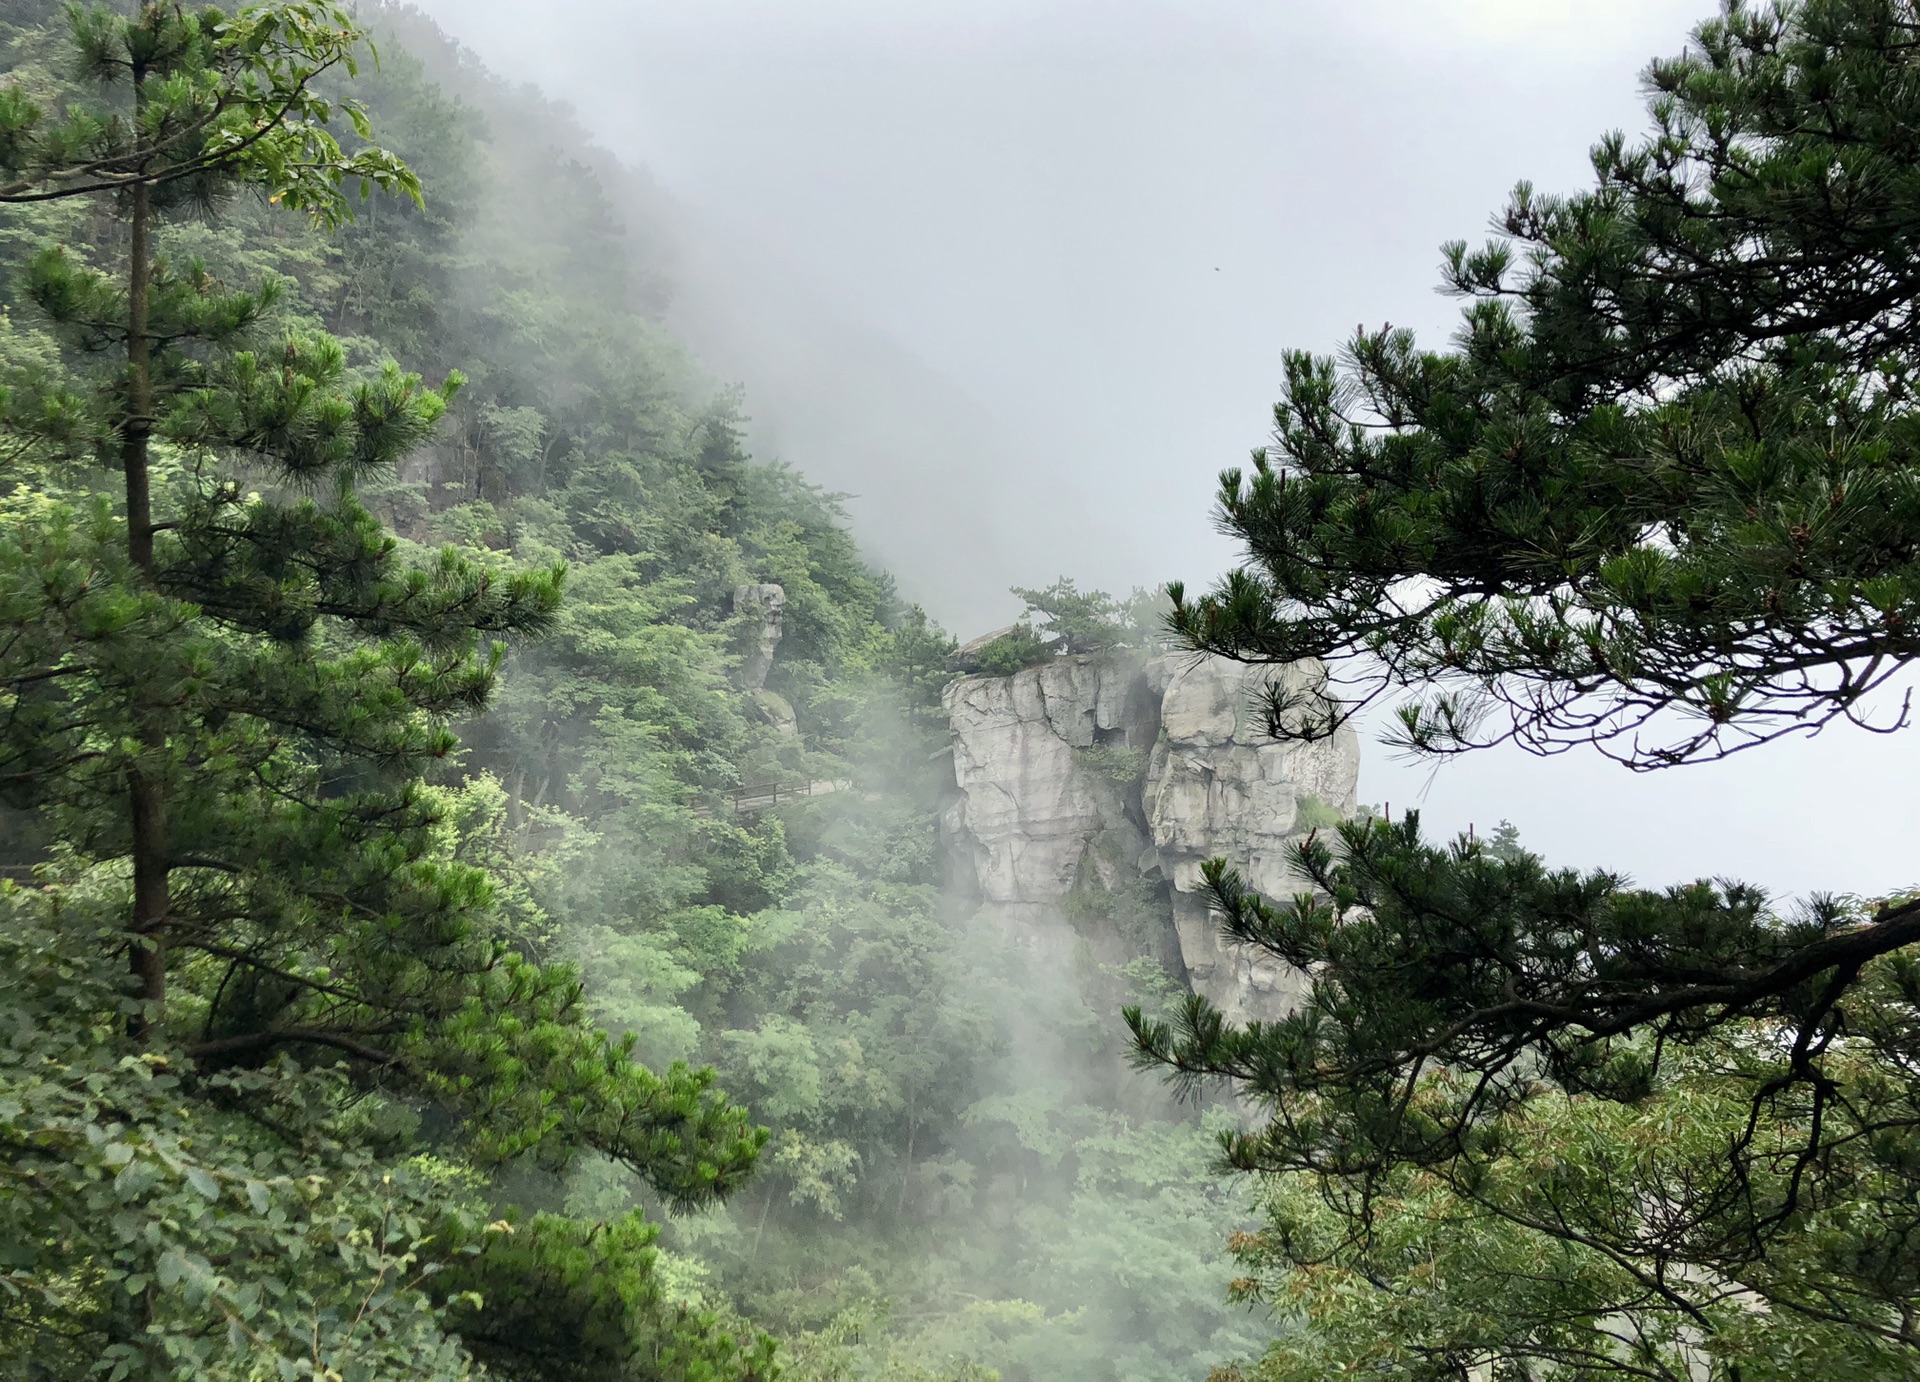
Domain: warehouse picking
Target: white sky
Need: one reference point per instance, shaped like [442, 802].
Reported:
[1095, 224]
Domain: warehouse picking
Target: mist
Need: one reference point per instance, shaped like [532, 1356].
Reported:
[1017, 279]
[597, 785]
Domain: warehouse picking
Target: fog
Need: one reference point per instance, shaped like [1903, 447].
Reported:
[1017, 276]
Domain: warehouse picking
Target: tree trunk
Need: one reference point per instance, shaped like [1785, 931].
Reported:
[906, 1173]
[765, 1209]
[136, 430]
[147, 807]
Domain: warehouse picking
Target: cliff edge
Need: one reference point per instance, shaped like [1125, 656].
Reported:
[1113, 772]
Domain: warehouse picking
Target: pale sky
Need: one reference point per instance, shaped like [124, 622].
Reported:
[1018, 273]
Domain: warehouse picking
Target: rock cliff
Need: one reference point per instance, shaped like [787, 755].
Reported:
[1113, 772]
[761, 613]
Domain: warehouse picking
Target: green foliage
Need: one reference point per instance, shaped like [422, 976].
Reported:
[389, 954]
[951, 1184]
[1071, 621]
[555, 1297]
[1527, 1262]
[1014, 651]
[1504, 843]
[1077, 621]
[155, 1222]
[161, 1220]
[1457, 1175]
[188, 101]
[1115, 762]
[1315, 814]
[1660, 496]
[230, 682]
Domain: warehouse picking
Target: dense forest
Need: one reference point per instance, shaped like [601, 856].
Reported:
[943, 1185]
[474, 840]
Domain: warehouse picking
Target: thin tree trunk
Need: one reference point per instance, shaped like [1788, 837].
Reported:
[147, 807]
[906, 1174]
[137, 429]
[765, 1209]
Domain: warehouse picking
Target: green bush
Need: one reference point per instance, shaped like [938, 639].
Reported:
[1015, 651]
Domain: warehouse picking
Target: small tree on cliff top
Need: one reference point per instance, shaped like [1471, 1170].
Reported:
[1662, 498]
[1088, 621]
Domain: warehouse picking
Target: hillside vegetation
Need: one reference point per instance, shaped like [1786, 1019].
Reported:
[483, 858]
[296, 1157]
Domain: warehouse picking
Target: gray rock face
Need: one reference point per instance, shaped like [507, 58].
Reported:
[1218, 788]
[767, 604]
[1040, 812]
[1031, 817]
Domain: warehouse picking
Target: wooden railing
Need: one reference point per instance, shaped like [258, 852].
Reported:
[756, 797]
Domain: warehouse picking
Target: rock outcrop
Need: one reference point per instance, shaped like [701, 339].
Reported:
[762, 611]
[1031, 818]
[762, 608]
[1101, 771]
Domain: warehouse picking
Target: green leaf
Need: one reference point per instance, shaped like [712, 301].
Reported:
[171, 1268]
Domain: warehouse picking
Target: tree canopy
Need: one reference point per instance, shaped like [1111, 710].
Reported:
[435, 669]
[1658, 499]
[224, 686]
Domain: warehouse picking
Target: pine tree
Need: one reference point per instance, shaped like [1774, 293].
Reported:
[224, 683]
[1661, 499]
